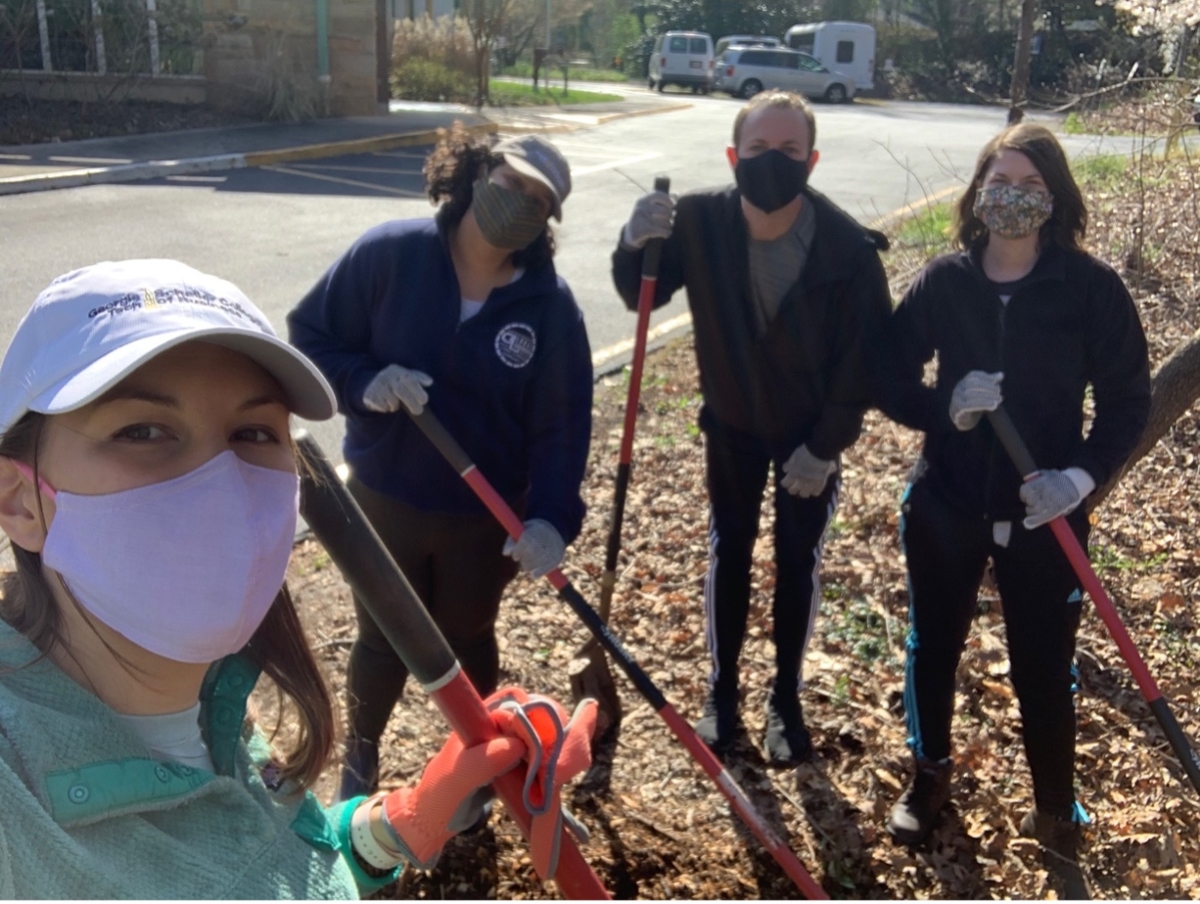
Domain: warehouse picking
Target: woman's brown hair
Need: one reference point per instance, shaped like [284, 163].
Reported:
[279, 646]
[450, 173]
[1068, 222]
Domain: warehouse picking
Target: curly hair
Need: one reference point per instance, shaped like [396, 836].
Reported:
[450, 172]
[1067, 224]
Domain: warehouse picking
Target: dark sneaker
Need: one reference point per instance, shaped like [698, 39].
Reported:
[718, 725]
[788, 741]
[1059, 838]
[360, 769]
[915, 813]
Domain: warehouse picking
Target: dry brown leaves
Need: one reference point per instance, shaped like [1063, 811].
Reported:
[661, 829]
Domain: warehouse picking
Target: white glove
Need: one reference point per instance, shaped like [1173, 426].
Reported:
[540, 549]
[651, 219]
[1052, 494]
[974, 394]
[805, 475]
[395, 386]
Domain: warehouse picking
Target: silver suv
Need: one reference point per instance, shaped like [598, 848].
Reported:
[744, 71]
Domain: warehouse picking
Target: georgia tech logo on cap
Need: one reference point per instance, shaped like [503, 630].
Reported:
[515, 344]
[164, 296]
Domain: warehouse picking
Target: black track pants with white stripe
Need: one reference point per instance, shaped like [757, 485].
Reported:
[738, 466]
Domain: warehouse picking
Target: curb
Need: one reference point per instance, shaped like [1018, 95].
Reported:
[609, 117]
[154, 169]
[157, 169]
[542, 127]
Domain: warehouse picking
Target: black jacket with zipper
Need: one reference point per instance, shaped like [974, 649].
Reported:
[804, 381]
[1071, 323]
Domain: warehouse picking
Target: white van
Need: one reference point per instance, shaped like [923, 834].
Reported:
[746, 41]
[683, 58]
[847, 47]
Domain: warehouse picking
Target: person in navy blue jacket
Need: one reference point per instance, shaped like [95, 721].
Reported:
[462, 312]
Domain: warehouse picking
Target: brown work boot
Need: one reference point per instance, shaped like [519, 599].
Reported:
[916, 812]
[1059, 838]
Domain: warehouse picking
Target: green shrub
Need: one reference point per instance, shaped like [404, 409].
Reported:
[433, 59]
[421, 79]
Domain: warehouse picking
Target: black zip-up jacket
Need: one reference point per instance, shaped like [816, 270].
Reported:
[1070, 323]
[804, 381]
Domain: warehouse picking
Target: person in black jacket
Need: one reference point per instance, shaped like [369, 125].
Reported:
[782, 285]
[1021, 315]
[463, 312]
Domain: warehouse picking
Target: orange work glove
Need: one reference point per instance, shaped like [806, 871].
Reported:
[557, 749]
[421, 820]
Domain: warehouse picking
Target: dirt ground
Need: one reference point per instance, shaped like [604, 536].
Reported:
[660, 829]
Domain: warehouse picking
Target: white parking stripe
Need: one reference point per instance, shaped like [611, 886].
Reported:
[357, 169]
[386, 189]
[586, 170]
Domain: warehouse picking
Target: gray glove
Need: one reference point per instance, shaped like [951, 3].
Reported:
[540, 549]
[805, 475]
[974, 394]
[395, 386]
[651, 219]
[1047, 496]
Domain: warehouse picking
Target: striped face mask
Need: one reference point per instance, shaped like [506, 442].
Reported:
[507, 218]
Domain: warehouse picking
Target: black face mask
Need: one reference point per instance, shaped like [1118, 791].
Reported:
[771, 180]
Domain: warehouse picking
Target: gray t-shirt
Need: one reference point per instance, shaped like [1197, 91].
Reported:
[775, 265]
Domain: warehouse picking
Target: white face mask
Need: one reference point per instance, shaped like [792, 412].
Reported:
[186, 568]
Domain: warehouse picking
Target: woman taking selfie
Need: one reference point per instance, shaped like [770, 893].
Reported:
[149, 488]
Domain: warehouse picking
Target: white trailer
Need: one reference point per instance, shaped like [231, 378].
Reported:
[846, 47]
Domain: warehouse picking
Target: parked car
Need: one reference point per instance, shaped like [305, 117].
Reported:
[744, 72]
[728, 41]
[1196, 109]
[848, 47]
[683, 58]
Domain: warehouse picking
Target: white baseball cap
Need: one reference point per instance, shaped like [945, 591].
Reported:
[93, 327]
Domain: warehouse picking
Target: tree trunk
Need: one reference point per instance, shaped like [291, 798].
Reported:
[1174, 387]
[1020, 79]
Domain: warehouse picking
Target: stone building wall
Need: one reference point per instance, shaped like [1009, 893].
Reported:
[263, 56]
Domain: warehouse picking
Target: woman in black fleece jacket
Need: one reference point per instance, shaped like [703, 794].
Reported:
[1024, 316]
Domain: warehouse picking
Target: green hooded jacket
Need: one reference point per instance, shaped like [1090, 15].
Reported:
[87, 813]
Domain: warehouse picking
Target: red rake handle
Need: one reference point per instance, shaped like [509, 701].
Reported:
[650, 259]
[461, 462]
[1007, 433]
[338, 522]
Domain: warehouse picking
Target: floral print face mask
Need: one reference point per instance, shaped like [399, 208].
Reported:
[1013, 212]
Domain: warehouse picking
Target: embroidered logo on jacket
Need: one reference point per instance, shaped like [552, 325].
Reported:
[515, 344]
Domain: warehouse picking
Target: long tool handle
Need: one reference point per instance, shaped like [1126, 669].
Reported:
[461, 462]
[352, 544]
[650, 258]
[1007, 433]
